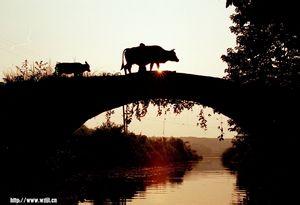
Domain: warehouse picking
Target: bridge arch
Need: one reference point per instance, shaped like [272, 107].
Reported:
[61, 105]
[207, 91]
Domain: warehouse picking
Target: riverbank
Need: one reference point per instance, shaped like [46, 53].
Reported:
[109, 146]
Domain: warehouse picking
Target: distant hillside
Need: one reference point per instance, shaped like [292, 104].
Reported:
[208, 147]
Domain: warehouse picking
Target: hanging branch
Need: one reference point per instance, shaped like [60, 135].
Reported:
[221, 136]
[202, 121]
[108, 115]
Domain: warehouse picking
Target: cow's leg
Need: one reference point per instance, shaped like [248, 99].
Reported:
[157, 64]
[142, 68]
[127, 67]
[151, 66]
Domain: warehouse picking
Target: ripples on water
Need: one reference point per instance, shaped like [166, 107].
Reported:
[205, 183]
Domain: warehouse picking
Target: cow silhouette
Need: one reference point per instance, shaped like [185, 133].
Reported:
[143, 55]
[72, 68]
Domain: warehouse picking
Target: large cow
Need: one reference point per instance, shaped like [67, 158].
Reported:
[70, 68]
[143, 55]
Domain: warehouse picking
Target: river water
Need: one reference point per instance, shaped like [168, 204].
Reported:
[206, 182]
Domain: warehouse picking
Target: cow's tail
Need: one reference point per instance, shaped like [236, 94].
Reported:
[123, 54]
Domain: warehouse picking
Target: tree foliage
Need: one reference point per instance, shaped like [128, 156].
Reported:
[266, 53]
[108, 146]
[139, 110]
[267, 43]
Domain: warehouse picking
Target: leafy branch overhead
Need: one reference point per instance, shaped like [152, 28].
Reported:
[139, 110]
[267, 43]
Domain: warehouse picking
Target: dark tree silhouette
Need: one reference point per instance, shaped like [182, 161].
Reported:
[267, 42]
[266, 55]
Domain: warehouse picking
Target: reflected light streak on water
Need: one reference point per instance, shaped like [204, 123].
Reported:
[208, 183]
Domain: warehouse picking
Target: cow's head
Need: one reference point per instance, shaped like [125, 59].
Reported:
[87, 67]
[172, 56]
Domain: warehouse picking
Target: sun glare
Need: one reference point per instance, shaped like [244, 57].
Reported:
[160, 73]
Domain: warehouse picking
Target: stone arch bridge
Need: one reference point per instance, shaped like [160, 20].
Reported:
[47, 109]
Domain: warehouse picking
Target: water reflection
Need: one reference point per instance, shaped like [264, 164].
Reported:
[206, 182]
[269, 186]
[119, 186]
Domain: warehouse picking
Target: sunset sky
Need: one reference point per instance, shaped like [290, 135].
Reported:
[97, 31]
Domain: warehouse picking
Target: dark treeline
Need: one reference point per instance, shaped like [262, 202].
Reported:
[105, 159]
[266, 55]
[105, 165]
[109, 146]
[109, 166]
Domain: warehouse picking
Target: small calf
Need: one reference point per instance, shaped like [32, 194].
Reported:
[72, 68]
